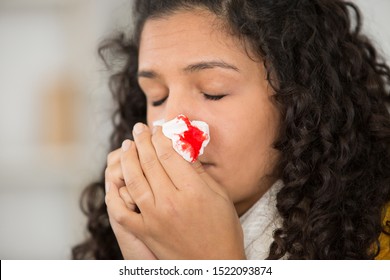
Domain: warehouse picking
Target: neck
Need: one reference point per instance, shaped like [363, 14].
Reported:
[244, 205]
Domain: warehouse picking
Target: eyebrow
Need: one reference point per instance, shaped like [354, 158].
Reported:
[209, 65]
[196, 67]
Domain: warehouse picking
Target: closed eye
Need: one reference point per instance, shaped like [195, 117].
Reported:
[207, 96]
[213, 97]
[159, 102]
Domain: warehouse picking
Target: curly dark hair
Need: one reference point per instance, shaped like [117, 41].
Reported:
[331, 88]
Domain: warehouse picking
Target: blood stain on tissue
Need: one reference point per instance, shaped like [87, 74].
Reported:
[192, 139]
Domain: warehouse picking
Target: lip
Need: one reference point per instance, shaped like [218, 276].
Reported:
[207, 164]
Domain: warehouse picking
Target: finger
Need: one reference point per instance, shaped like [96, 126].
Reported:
[114, 156]
[181, 173]
[113, 173]
[151, 166]
[124, 194]
[119, 213]
[136, 183]
[198, 167]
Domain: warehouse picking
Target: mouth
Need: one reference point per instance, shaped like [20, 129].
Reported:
[207, 164]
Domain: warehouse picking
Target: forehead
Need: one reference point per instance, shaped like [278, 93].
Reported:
[185, 36]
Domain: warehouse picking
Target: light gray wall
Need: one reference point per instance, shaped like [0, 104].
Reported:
[44, 42]
[376, 22]
[41, 184]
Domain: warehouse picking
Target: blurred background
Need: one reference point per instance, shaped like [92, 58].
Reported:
[55, 111]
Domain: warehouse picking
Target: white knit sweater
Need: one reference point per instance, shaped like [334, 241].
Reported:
[259, 222]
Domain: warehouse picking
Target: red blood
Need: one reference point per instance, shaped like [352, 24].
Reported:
[192, 139]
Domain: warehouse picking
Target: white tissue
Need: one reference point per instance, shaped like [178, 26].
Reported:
[175, 129]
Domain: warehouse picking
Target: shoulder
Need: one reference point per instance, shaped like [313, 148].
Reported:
[384, 238]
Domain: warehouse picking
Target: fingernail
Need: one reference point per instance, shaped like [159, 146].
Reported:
[108, 185]
[126, 145]
[138, 128]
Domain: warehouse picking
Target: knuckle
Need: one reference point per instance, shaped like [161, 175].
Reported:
[122, 191]
[108, 173]
[165, 156]
[126, 161]
[120, 217]
[148, 163]
[135, 182]
[144, 199]
[111, 173]
[170, 209]
[107, 200]
[111, 157]
[110, 202]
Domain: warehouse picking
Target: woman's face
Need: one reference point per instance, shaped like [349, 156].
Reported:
[189, 65]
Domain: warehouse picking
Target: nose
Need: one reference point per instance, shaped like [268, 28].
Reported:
[179, 103]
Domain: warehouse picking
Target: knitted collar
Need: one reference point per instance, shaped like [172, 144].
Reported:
[259, 222]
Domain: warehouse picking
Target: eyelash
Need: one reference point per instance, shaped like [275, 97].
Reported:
[206, 96]
[213, 97]
[159, 102]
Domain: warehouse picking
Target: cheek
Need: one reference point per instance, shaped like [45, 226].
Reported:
[243, 136]
[245, 149]
[149, 116]
[245, 168]
[152, 115]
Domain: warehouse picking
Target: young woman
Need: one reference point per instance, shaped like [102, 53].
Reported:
[298, 166]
